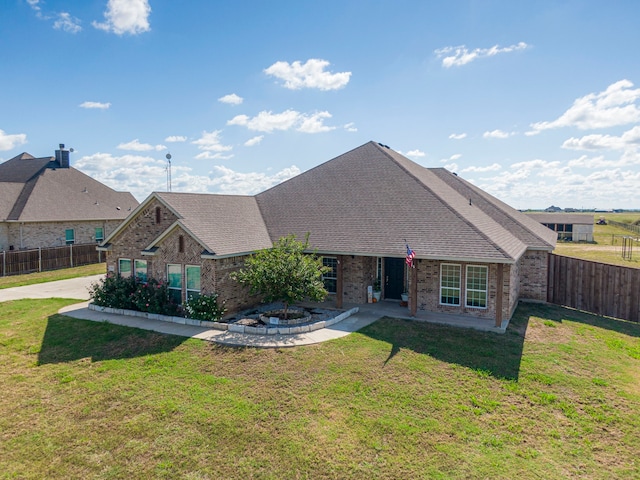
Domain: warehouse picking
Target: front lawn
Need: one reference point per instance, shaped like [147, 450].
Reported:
[557, 396]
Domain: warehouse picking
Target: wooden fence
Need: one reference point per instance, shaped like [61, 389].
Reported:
[16, 262]
[594, 287]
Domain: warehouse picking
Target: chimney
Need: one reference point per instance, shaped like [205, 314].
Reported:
[62, 157]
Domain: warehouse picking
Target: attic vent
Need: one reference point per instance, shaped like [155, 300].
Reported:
[85, 190]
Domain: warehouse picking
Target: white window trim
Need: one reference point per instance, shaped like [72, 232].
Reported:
[98, 239]
[324, 276]
[459, 285]
[181, 278]
[120, 260]
[186, 280]
[467, 289]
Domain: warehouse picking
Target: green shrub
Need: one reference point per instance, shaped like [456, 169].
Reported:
[204, 307]
[114, 291]
[153, 297]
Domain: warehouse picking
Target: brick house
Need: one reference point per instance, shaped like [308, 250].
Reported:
[44, 202]
[474, 255]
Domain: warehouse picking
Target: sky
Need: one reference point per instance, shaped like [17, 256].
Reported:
[537, 103]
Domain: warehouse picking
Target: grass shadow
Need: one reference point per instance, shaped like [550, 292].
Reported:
[498, 355]
[67, 339]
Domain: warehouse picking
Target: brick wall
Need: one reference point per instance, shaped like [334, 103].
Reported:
[533, 275]
[357, 273]
[51, 234]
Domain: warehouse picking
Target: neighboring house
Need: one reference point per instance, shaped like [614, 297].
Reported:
[570, 227]
[474, 254]
[44, 202]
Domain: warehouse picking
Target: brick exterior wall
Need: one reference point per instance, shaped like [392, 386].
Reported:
[358, 273]
[534, 275]
[51, 234]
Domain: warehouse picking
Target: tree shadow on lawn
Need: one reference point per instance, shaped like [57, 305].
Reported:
[498, 355]
[67, 339]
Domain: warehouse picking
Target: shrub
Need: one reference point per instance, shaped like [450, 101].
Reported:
[114, 291]
[153, 297]
[204, 307]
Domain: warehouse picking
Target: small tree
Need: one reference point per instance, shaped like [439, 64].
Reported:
[285, 273]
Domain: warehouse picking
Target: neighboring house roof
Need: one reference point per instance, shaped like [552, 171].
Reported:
[368, 201]
[566, 218]
[39, 190]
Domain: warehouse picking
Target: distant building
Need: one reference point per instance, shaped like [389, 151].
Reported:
[571, 227]
[44, 202]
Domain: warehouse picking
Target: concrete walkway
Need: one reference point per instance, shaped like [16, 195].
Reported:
[368, 313]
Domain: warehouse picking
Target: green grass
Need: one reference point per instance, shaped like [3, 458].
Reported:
[42, 277]
[557, 396]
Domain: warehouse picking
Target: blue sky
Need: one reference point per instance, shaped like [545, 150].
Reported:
[538, 103]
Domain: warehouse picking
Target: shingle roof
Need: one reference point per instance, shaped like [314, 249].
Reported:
[224, 224]
[369, 200]
[34, 191]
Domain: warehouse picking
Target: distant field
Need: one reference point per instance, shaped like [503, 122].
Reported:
[608, 243]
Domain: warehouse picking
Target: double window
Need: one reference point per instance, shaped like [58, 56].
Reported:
[476, 285]
[127, 267]
[330, 278]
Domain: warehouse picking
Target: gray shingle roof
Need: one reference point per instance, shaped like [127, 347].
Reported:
[567, 218]
[224, 224]
[367, 202]
[34, 191]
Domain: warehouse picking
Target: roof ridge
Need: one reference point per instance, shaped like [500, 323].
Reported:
[448, 204]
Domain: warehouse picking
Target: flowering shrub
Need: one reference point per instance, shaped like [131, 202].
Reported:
[204, 307]
[114, 291]
[127, 293]
[153, 297]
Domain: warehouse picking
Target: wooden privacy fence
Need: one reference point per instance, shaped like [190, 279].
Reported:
[594, 287]
[16, 262]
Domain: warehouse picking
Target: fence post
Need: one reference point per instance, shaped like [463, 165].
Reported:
[71, 254]
[4, 263]
[39, 259]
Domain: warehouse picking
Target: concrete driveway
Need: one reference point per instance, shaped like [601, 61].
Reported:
[72, 288]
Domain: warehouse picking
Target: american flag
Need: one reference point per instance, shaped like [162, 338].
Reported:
[410, 256]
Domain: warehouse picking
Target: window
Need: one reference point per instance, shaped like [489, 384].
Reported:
[476, 286]
[449, 284]
[70, 236]
[193, 281]
[140, 267]
[99, 234]
[330, 278]
[174, 282]
[124, 267]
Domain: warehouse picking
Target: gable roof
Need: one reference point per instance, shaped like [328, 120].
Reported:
[34, 190]
[369, 200]
[561, 217]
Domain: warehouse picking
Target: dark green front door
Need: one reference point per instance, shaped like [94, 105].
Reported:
[393, 277]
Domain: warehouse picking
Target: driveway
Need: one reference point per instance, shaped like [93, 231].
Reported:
[73, 288]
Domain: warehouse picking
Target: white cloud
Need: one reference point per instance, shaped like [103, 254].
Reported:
[142, 175]
[34, 4]
[253, 141]
[231, 99]
[136, 146]
[314, 123]
[416, 153]
[126, 16]
[350, 127]
[210, 142]
[9, 142]
[208, 155]
[67, 23]
[98, 105]
[308, 75]
[452, 158]
[457, 136]
[175, 139]
[628, 140]
[452, 167]
[461, 55]
[497, 134]
[269, 122]
[613, 107]
[489, 168]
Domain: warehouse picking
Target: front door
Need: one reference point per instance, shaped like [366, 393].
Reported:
[393, 277]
